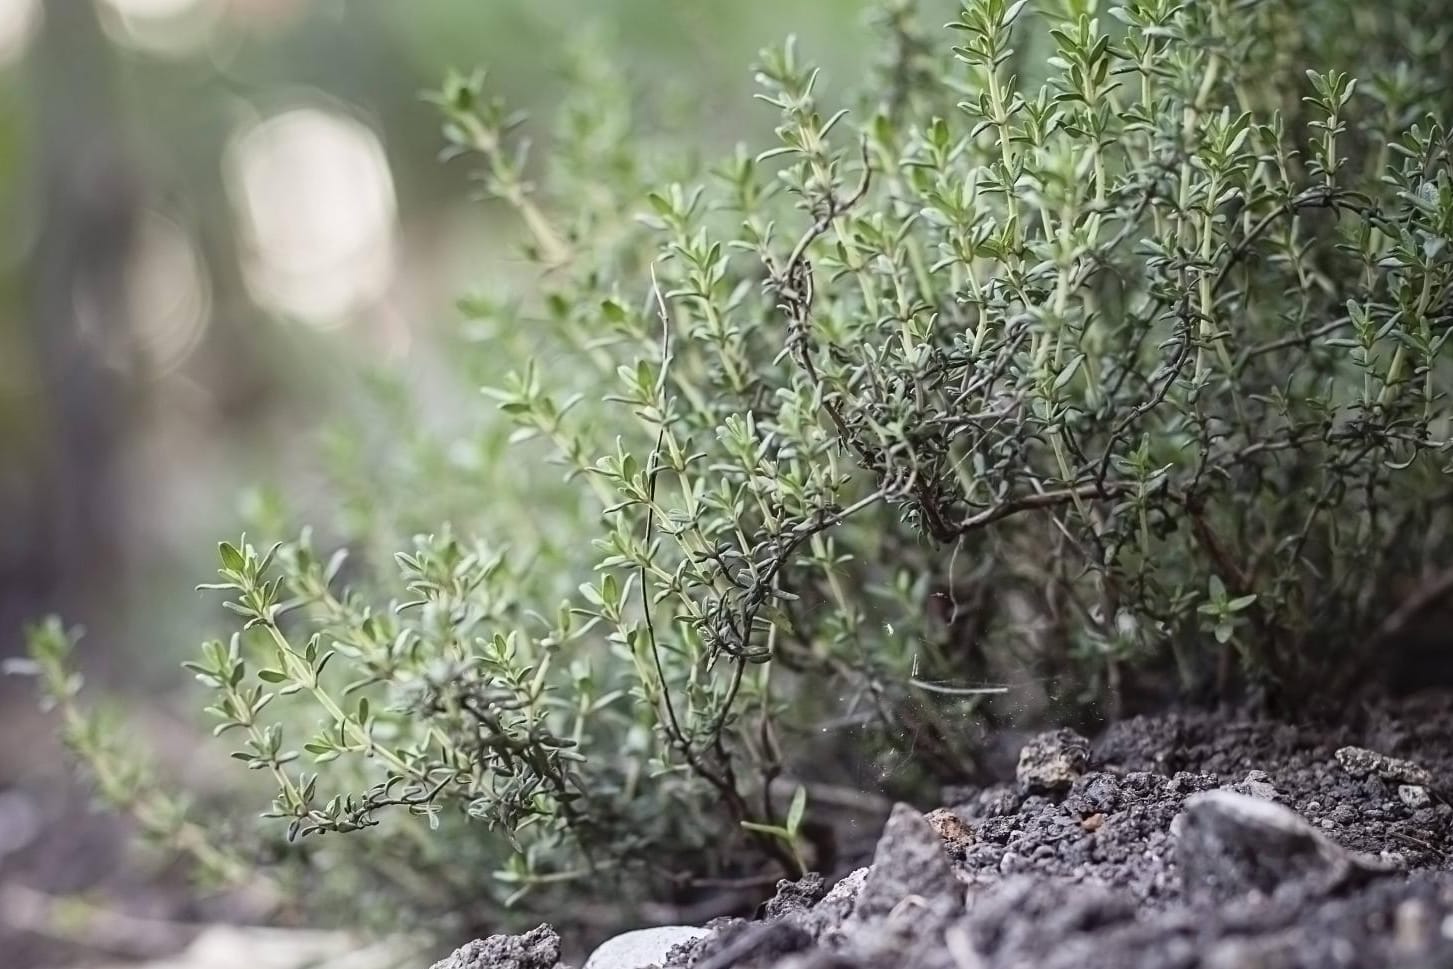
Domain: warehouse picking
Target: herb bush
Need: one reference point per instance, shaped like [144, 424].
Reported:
[1085, 349]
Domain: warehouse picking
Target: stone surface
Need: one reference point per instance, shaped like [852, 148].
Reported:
[1229, 844]
[1256, 784]
[955, 833]
[830, 913]
[909, 863]
[1282, 858]
[1051, 762]
[641, 948]
[796, 897]
[752, 944]
[1361, 762]
[538, 948]
[1414, 796]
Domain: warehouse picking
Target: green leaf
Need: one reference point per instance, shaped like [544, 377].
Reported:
[232, 559]
[796, 810]
[613, 311]
[1068, 373]
[771, 829]
[1012, 14]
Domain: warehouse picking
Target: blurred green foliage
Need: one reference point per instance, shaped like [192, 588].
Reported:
[251, 397]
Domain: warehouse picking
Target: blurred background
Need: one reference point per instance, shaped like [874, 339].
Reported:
[217, 215]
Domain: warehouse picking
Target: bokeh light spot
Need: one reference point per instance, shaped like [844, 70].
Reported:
[316, 214]
[165, 27]
[19, 20]
[169, 293]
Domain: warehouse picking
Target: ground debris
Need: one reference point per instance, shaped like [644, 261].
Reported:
[538, 948]
[1289, 853]
[1361, 762]
[1230, 844]
[1050, 762]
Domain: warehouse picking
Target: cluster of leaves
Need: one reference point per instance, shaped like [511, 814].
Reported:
[1087, 342]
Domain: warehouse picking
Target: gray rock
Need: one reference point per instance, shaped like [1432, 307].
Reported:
[642, 947]
[909, 863]
[1361, 762]
[795, 897]
[1050, 762]
[845, 892]
[538, 948]
[754, 944]
[1414, 796]
[830, 913]
[1256, 784]
[1230, 844]
[1029, 920]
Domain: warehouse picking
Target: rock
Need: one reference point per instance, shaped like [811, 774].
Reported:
[795, 897]
[753, 944]
[1256, 784]
[1097, 793]
[952, 830]
[1025, 920]
[642, 947]
[830, 913]
[1414, 796]
[820, 960]
[1230, 844]
[909, 862]
[1361, 762]
[1050, 762]
[538, 948]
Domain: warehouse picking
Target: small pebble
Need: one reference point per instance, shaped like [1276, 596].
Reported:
[1414, 795]
[952, 829]
[1050, 762]
[1257, 784]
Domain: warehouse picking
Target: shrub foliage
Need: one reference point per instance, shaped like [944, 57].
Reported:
[1092, 344]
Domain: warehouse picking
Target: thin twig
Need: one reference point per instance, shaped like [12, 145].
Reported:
[835, 208]
[653, 470]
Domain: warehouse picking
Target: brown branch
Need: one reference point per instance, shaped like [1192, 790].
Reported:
[1046, 499]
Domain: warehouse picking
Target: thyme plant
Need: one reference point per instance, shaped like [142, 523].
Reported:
[1091, 345]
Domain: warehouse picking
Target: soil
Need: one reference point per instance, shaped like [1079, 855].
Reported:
[1169, 842]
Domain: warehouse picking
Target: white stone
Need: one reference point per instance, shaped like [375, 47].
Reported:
[1414, 795]
[641, 948]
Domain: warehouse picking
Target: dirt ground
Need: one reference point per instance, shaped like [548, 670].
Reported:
[1176, 841]
[1168, 842]
[1179, 841]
